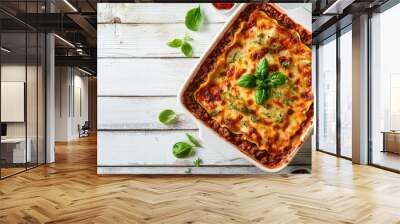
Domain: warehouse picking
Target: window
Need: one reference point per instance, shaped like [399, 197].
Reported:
[327, 96]
[346, 92]
[385, 89]
[22, 78]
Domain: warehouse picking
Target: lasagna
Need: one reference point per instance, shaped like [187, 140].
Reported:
[255, 89]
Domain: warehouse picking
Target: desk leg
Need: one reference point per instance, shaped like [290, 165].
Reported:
[384, 142]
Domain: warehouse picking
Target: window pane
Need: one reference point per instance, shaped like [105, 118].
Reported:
[385, 86]
[31, 100]
[346, 94]
[327, 96]
[13, 86]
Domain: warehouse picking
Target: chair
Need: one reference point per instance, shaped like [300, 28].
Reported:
[84, 130]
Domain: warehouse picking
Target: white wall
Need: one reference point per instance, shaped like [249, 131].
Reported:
[71, 102]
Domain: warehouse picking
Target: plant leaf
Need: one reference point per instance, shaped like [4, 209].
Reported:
[262, 95]
[182, 150]
[247, 81]
[262, 69]
[175, 43]
[277, 79]
[194, 19]
[187, 38]
[261, 83]
[187, 49]
[167, 116]
[197, 162]
[193, 140]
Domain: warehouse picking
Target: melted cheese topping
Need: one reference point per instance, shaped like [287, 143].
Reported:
[271, 125]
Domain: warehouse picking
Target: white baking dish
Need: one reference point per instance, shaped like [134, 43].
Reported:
[209, 137]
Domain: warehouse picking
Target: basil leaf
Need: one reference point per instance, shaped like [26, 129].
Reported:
[277, 79]
[187, 49]
[262, 69]
[193, 140]
[182, 150]
[167, 117]
[262, 95]
[197, 162]
[194, 19]
[247, 81]
[261, 83]
[187, 38]
[175, 43]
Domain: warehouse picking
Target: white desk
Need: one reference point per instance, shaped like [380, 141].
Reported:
[18, 150]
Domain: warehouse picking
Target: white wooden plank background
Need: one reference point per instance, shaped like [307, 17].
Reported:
[153, 13]
[149, 40]
[142, 76]
[138, 76]
[139, 113]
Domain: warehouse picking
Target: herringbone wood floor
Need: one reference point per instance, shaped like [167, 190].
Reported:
[69, 191]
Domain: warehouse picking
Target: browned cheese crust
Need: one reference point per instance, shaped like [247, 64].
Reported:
[268, 158]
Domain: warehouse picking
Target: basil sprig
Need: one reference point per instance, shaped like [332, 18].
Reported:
[185, 149]
[197, 162]
[262, 81]
[194, 19]
[184, 44]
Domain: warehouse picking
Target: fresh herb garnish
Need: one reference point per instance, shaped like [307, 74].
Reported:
[259, 38]
[277, 79]
[262, 94]
[186, 47]
[194, 19]
[286, 101]
[193, 140]
[187, 38]
[182, 150]
[175, 43]
[244, 123]
[262, 69]
[247, 81]
[253, 118]
[262, 81]
[232, 59]
[197, 162]
[245, 110]
[167, 117]
[185, 149]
